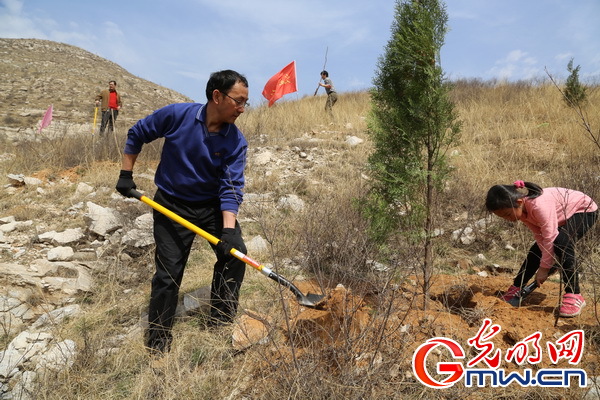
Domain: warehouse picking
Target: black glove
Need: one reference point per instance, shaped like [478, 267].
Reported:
[230, 239]
[125, 183]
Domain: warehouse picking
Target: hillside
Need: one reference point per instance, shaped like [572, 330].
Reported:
[76, 258]
[36, 73]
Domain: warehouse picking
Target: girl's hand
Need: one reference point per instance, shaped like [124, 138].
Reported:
[542, 275]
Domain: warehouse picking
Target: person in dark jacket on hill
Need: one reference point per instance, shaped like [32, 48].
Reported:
[200, 177]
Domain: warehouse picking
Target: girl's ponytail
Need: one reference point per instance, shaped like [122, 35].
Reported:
[533, 190]
[506, 196]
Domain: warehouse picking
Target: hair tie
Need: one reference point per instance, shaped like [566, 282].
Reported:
[519, 184]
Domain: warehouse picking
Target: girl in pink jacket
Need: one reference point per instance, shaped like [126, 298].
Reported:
[558, 218]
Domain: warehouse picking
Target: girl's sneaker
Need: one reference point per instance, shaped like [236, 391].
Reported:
[571, 305]
[511, 293]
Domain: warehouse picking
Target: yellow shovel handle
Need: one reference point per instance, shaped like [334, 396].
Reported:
[95, 116]
[212, 239]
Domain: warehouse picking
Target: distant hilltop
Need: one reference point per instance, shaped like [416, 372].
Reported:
[36, 73]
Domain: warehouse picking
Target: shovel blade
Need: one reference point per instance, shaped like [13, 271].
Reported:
[515, 301]
[523, 293]
[310, 300]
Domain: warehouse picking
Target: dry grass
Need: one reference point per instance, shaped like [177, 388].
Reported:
[509, 132]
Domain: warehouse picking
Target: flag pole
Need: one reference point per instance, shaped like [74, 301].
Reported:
[324, 64]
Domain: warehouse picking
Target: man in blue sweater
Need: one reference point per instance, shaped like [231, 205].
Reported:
[200, 177]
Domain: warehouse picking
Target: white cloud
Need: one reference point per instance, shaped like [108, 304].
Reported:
[517, 64]
[14, 25]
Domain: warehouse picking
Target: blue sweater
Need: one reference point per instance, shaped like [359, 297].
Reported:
[195, 165]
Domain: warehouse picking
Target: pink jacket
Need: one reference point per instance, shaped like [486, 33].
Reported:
[544, 214]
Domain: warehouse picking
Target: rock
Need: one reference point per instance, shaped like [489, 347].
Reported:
[263, 158]
[466, 235]
[60, 276]
[20, 350]
[145, 222]
[31, 181]
[16, 225]
[68, 236]
[291, 201]
[483, 223]
[12, 314]
[61, 254]
[139, 238]
[7, 220]
[16, 180]
[26, 385]
[257, 245]
[83, 189]
[377, 266]
[59, 356]
[56, 317]
[88, 255]
[195, 302]
[353, 140]
[102, 220]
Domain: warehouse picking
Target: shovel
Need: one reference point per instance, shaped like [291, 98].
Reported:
[526, 291]
[308, 300]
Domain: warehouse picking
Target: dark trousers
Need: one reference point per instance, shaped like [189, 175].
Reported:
[108, 119]
[564, 252]
[173, 246]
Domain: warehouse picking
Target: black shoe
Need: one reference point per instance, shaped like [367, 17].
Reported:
[159, 347]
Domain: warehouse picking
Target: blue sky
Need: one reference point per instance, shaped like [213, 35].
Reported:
[178, 43]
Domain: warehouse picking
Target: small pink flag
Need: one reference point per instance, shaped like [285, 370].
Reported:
[47, 119]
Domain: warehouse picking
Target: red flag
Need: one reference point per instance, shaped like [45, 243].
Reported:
[47, 119]
[281, 83]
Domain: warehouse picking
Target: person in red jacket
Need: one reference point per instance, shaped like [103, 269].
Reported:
[110, 104]
[558, 218]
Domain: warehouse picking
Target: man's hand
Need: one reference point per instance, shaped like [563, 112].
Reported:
[125, 183]
[230, 239]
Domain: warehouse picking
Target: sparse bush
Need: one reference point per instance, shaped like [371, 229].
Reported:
[336, 243]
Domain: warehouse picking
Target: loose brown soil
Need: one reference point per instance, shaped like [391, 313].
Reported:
[457, 307]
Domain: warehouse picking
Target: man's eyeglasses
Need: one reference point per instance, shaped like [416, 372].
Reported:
[238, 103]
